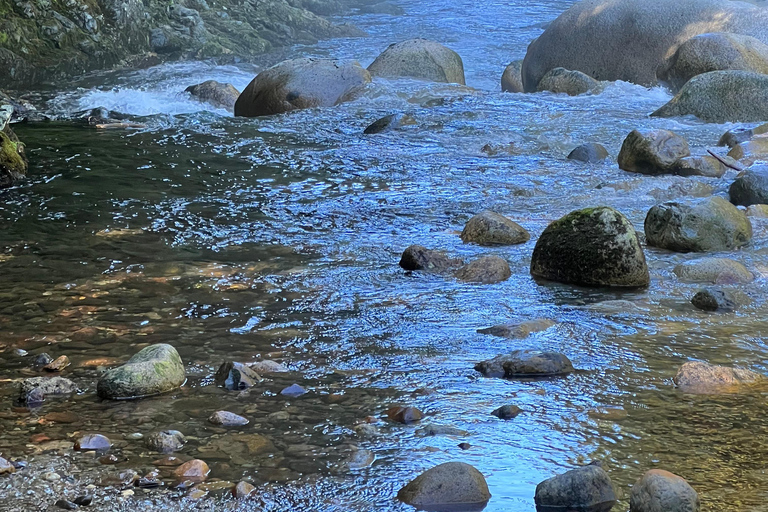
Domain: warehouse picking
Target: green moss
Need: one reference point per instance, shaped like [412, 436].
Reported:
[11, 159]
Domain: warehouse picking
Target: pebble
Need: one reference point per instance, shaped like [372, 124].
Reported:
[57, 365]
[20, 352]
[109, 459]
[268, 366]
[84, 500]
[127, 493]
[404, 415]
[96, 442]
[507, 412]
[136, 436]
[243, 490]
[194, 469]
[51, 476]
[465, 446]
[293, 390]
[227, 419]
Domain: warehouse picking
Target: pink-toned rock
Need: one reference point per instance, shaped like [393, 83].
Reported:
[195, 470]
[243, 490]
[701, 378]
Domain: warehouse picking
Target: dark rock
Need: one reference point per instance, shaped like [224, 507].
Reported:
[417, 257]
[66, 505]
[42, 359]
[591, 247]
[709, 224]
[153, 370]
[420, 59]
[751, 186]
[511, 79]
[491, 228]
[389, 123]
[713, 270]
[739, 135]
[96, 442]
[710, 299]
[699, 378]
[167, 441]
[84, 501]
[442, 430]
[587, 488]
[35, 390]
[590, 153]
[293, 390]
[572, 83]
[405, 415]
[507, 412]
[227, 419]
[519, 329]
[465, 446]
[216, 93]
[658, 490]
[300, 84]
[526, 363]
[652, 152]
[236, 376]
[485, 270]
[451, 484]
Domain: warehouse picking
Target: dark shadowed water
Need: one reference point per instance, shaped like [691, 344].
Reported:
[278, 238]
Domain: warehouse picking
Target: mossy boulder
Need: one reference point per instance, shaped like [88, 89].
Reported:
[591, 247]
[652, 152]
[453, 485]
[572, 83]
[153, 370]
[299, 84]
[704, 225]
[421, 59]
[13, 160]
[491, 228]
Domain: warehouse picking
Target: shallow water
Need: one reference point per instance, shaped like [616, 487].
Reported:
[279, 238]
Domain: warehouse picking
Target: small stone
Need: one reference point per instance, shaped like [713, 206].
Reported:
[389, 123]
[127, 493]
[584, 488]
[108, 459]
[236, 376]
[491, 228]
[194, 469]
[169, 461]
[167, 441]
[507, 412]
[150, 481]
[227, 419]
[451, 484]
[485, 270]
[197, 494]
[511, 79]
[443, 430]
[589, 153]
[713, 270]
[66, 505]
[51, 476]
[135, 436]
[659, 490]
[710, 299]
[96, 442]
[405, 415]
[417, 257]
[465, 446]
[293, 390]
[243, 490]
[57, 365]
[526, 363]
[518, 329]
[19, 352]
[84, 500]
[6, 467]
[366, 430]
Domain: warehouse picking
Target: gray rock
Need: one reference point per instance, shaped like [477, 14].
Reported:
[631, 39]
[227, 419]
[451, 484]
[442, 430]
[739, 135]
[35, 390]
[710, 299]
[572, 83]
[153, 370]
[518, 329]
[751, 186]
[485, 270]
[750, 151]
[299, 84]
[713, 270]
[526, 363]
[507, 412]
[13, 159]
[421, 59]
[721, 97]
[700, 378]
[389, 123]
[512, 79]
[585, 488]
[167, 441]
[216, 93]
[491, 228]
[236, 376]
[704, 225]
[652, 152]
[590, 153]
[417, 257]
[661, 491]
[591, 247]
[707, 166]
[714, 52]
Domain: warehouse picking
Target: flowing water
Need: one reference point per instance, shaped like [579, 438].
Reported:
[278, 238]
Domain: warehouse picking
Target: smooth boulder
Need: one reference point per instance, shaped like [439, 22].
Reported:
[491, 228]
[713, 270]
[299, 84]
[153, 370]
[453, 484]
[705, 225]
[566, 81]
[218, 94]
[418, 257]
[751, 186]
[589, 153]
[699, 378]
[721, 97]
[512, 79]
[526, 363]
[652, 152]
[485, 270]
[588, 488]
[661, 491]
[421, 59]
[591, 247]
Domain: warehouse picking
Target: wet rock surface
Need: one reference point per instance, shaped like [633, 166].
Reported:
[452, 483]
[506, 412]
[36, 389]
[389, 123]
[485, 270]
[166, 441]
[236, 376]
[585, 488]
[589, 153]
[712, 299]
[418, 257]
[526, 363]
[216, 93]
[511, 79]
[572, 83]
[227, 419]
[701, 378]
[153, 370]
[713, 270]
[661, 490]
[421, 59]
[515, 330]
[652, 152]
[491, 228]
[751, 186]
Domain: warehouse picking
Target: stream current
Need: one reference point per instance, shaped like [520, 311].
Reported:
[279, 237]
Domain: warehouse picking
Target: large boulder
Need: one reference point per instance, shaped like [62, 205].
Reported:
[591, 247]
[511, 79]
[721, 97]
[714, 52]
[526, 363]
[585, 488]
[704, 225]
[453, 484]
[652, 152]
[661, 491]
[421, 59]
[301, 83]
[572, 83]
[13, 160]
[491, 228]
[751, 186]
[699, 378]
[153, 370]
[218, 94]
[631, 39]
[713, 270]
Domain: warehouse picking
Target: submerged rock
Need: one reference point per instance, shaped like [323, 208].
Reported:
[390, 122]
[34, 391]
[381, 8]
[588, 488]
[751, 186]
[96, 442]
[227, 419]
[451, 484]
[590, 153]
[591, 247]
[153, 370]
[243, 490]
[526, 363]
[485, 270]
[507, 412]
[572, 83]
[661, 491]
[167, 441]
[652, 152]
[710, 224]
[418, 257]
[491, 228]
[701, 378]
[518, 329]
[299, 84]
[218, 94]
[713, 270]
[405, 415]
[710, 299]
[512, 79]
[268, 366]
[236, 376]
[421, 59]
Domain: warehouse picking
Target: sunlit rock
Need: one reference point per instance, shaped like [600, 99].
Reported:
[652, 152]
[227, 419]
[713, 270]
[526, 363]
[405, 415]
[587, 488]
[450, 484]
[701, 378]
[661, 491]
[491, 228]
[572, 83]
[153, 370]
[421, 59]
[748, 152]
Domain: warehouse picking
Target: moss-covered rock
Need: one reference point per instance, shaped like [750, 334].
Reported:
[13, 161]
[153, 370]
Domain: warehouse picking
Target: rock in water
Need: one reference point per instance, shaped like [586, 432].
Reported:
[591, 247]
[418, 257]
[405, 415]
[421, 59]
[13, 159]
[451, 484]
[301, 83]
[631, 40]
[517, 330]
[751, 186]
[485, 270]
[227, 419]
[526, 363]
[512, 79]
[572, 83]
[652, 152]
[590, 153]
[661, 491]
[710, 299]
[739, 135]
[236, 376]
[713, 270]
[490, 228]
[707, 166]
[709, 224]
[96, 442]
[34, 390]
[507, 412]
[390, 122]
[721, 97]
[714, 52]
[699, 378]
[587, 488]
[153, 370]
[216, 93]
[195, 470]
[167, 441]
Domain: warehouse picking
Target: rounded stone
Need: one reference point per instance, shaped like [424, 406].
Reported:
[585, 488]
[526, 363]
[710, 299]
[34, 390]
[485, 270]
[243, 490]
[561, 80]
[421, 59]
[218, 94]
[652, 152]
[227, 419]
[591, 247]
[512, 79]
[491, 228]
[389, 123]
[661, 491]
[153, 370]
[507, 412]
[167, 441]
[700, 378]
[589, 153]
[451, 484]
[751, 186]
[195, 470]
[96, 442]
[418, 257]
[405, 415]
[713, 270]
